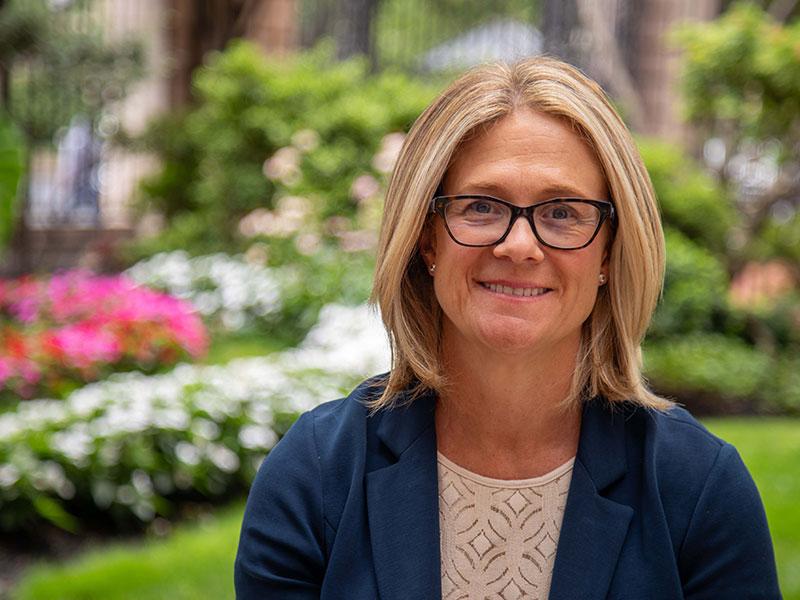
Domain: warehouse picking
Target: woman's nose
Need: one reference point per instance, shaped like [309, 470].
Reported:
[521, 243]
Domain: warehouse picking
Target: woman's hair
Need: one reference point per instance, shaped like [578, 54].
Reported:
[609, 360]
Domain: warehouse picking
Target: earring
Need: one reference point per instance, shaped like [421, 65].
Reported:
[602, 278]
[432, 268]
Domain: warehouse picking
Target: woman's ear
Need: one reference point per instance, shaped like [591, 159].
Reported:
[427, 244]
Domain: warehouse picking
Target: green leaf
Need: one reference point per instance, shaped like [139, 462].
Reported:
[11, 168]
[52, 511]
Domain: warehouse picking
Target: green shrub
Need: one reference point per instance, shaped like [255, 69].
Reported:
[690, 200]
[263, 130]
[11, 165]
[779, 237]
[781, 391]
[695, 289]
[722, 372]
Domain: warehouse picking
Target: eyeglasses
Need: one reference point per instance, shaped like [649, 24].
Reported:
[560, 223]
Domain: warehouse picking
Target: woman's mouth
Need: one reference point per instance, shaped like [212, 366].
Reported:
[508, 290]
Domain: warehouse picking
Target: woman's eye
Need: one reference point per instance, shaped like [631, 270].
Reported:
[483, 208]
[559, 213]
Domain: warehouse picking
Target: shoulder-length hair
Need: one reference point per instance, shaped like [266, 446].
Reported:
[609, 360]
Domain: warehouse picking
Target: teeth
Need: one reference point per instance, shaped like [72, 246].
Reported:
[509, 291]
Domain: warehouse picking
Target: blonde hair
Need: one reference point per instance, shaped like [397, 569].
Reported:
[609, 361]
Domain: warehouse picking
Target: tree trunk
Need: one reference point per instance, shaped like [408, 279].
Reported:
[196, 28]
[624, 45]
[561, 30]
[354, 28]
[586, 33]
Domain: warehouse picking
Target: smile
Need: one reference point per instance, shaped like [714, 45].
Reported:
[515, 291]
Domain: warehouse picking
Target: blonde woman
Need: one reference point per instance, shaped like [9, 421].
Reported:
[514, 450]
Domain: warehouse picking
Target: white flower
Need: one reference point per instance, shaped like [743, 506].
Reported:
[187, 453]
[358, 241]
[255, 437]
[283, 166]
[364, 187]
[225, 288]
[9, 475]
[141, 483]
[205, 429]
[103, 493]
[307, 244]
[386, 157]
[75, 443]
[144, 510]
[305, 140]
[223, 458]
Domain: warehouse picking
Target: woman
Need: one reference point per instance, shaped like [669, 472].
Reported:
[513, 451]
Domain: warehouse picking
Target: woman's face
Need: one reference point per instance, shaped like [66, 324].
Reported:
[525, 158]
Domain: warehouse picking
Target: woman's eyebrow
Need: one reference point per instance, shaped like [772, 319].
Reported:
[494, 189]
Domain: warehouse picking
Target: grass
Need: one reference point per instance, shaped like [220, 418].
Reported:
[197, 561]
[770, 447]
[226, 347]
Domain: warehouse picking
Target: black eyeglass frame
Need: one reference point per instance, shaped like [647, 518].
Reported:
[606, 208]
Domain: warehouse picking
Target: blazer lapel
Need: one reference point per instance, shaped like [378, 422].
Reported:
[594, 527]
[403, 505]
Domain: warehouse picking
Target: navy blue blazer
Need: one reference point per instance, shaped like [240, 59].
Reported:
[345, 507]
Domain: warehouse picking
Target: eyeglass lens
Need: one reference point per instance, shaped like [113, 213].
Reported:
[482, 221]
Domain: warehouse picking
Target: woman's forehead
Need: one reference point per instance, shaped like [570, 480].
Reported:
[527, 150]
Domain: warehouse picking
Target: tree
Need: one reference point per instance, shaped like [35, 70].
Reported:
[50, 71]
[622, 44]
[741, 83]
[201, 26]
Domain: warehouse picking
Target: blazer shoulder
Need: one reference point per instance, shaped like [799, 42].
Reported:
[343, 421]
[678, 437]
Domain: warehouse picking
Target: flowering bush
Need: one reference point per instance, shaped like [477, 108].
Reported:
[240, 292]
[61, 332]
[278, 149]
[129, 448]
[229, 292]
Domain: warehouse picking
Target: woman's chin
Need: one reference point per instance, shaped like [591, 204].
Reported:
[512, 337]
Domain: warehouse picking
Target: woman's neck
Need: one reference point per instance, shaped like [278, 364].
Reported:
[506, 417]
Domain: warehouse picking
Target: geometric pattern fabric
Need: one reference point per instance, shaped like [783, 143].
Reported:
[499, 537]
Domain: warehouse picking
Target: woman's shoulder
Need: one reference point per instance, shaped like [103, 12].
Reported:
[673, 432]
[677, 430]
[336, 433]
[345, 416]
[687, 460]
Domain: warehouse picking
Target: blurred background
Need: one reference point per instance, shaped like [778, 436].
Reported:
[190, 192]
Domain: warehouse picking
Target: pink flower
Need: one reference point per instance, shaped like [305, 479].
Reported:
[77, 324]
[5, 370]
[84, 344]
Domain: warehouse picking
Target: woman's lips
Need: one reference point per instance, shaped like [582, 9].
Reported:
[516, 290]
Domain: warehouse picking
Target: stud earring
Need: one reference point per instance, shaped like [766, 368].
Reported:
[602, 278]
[432, 268]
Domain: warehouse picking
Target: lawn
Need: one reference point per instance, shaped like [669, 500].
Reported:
[197, 561]
[770, 447]
[226, 347]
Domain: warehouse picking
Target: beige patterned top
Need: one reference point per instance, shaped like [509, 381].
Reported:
[499, 537]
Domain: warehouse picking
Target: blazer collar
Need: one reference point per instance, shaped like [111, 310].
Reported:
[594, 527]
[403, 506]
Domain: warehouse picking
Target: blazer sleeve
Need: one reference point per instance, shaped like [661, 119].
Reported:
[281, 547]
[727, 551]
